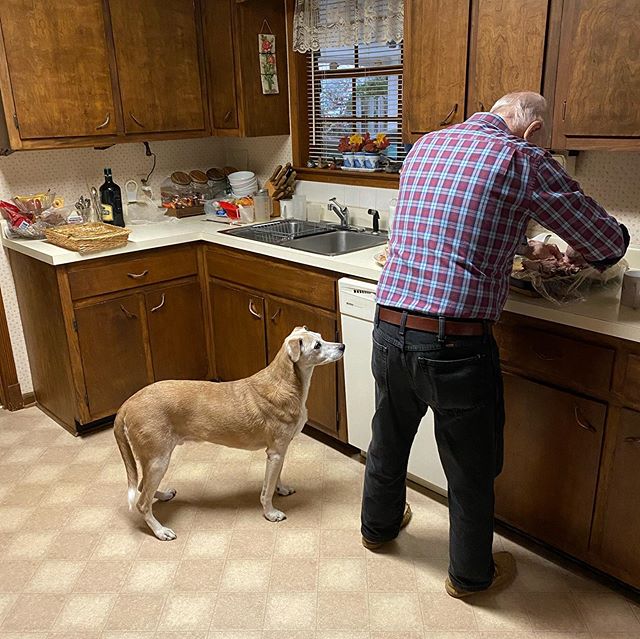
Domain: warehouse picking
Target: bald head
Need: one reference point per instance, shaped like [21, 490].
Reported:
[523, 111]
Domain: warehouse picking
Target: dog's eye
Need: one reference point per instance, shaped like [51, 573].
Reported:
[317, 345]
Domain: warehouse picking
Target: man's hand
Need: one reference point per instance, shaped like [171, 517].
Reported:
[571, 256]
[541, 251]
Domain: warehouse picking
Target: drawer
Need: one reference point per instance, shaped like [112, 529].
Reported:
[268, 276]
[120, 273]
[631, 382]
[564, 361]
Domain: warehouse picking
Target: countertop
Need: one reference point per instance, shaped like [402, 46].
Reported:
[600, 313]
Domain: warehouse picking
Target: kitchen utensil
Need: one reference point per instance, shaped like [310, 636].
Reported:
[631, 289]
[131, 191]
[96, 205]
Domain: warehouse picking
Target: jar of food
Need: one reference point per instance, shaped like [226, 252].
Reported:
[200, 185]
[218, 182]
[176, 191]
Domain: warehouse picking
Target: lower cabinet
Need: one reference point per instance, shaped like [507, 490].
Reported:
[552, 455]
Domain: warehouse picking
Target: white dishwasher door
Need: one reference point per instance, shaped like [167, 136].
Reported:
[357, 311]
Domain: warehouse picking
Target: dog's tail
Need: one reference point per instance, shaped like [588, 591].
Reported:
[120, 432]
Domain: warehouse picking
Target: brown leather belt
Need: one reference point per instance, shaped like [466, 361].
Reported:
[431, 324]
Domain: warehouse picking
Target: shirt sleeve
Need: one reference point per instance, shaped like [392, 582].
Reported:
[558, 203]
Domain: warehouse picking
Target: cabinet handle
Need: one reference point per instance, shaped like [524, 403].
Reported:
[227, 116]
[105, 123]
[481, 106]
[450, 115]
[544, 356]
[157, 308]
[253, 311]
[564, 109]
[129, 314]
[274, 317]
[137, 276]
[583, 424]
[133, 117]
[632, 440]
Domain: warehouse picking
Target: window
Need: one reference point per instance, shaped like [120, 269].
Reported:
[354, 90]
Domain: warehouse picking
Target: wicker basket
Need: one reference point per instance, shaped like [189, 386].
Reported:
[88, 238]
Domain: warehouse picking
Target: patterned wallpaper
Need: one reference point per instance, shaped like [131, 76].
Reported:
[613, 179]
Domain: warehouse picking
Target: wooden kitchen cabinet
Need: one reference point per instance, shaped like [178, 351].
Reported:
[598, 76]
[159, 65]
[282, 317]
[237, 318]
[238, 106]
[113, 351]
[55, 76]
[552, 455]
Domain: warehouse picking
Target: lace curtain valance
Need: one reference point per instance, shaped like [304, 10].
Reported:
[338, 23]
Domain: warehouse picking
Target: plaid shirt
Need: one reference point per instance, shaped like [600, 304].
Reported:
[466, 196]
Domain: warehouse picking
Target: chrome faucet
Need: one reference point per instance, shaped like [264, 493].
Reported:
[341, 211]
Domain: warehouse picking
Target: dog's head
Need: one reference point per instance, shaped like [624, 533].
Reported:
[307, 348]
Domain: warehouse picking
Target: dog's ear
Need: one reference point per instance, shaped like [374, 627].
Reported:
[294, 348]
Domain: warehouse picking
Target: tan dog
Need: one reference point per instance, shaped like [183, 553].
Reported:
[265, 410]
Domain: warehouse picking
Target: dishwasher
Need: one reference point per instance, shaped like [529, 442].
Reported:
[357, 310]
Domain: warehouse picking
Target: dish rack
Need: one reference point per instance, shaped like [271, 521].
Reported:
[283, 230]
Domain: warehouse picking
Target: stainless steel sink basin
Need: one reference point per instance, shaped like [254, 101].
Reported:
[337, 242]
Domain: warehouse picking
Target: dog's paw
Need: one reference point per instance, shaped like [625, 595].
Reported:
[283, 491]
[166, 495]
[275, 515]
[165, 534]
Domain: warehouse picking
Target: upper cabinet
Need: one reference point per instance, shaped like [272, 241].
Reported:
[160, 72]
[598, 80]
[238, 104]
[55, 75]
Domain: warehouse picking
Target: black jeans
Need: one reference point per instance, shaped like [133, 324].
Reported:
[459, 378]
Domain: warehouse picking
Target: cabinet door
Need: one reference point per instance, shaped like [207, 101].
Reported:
[282, 317]
[435, 64]
[620, 513]
[599, 70]
[552, 456]
[176, 332]
[159, 70]
[58, 66]
[507, 47]
[239, 342]
[112, 347]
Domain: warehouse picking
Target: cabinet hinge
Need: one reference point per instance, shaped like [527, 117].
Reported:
[15, 120]
[75, 325]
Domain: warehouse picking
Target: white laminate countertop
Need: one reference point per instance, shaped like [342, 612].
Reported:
[600, 313]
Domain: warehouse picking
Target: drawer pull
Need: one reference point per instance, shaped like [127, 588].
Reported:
[137, 276]
[133, 117]
[449, 117]
[253, 311]
[157, 308]
[583, 424]
[632, 440]
[105, 123]
[274, 317]
[544, 356]
[128, 314]
[481, 106]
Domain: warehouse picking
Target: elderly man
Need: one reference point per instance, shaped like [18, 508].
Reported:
[466, 196]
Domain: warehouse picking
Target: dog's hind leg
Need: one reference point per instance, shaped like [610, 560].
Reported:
[282, 489]
[274, 466]
[161, 495]
[153, 471]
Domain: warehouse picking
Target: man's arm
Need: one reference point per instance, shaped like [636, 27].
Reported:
[559, 204]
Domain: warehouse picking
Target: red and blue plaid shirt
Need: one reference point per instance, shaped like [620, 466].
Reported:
[466, 196]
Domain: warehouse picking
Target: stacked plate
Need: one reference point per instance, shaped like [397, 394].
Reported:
[243, 183]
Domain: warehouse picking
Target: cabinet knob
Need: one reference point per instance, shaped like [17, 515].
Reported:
[481, 106]
[274, 317]
[449, 117]
[253, 311]
[128, 314]
[583, 424]
[157, 308]
[133, 117]
[137, 276]
[105, 123]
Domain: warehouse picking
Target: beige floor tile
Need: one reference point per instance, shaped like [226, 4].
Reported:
[6, 602]
[73, 546]
[198, 575]
[191, 471]
[431, 573]
[113, 495]
[30, 545]
[23, 455]
[341, 516]
[571, 635]
[341, 543]
[120, 544]
[423, 542]
[212, 543]
[505, 612]
[85, 473]
[394, 611]
[65, 493]
[151, 576]
[245, 544]
[250, 575]
[343, 634]
[153, 548]
[84, 612]
[15, 574]
[236, 634]
[33, 613]
[239, 610]
[342, 574]
[46, 517]
[606, 613]
[390, 573]
[43, 474]
[554, 612]
[103, 576]
[293, 574]
[13, 517]
[347, 611]
[297, 542]
[187, 611]
[89, 519]
[119, 634]
[22, 495]
[54, 576]
[291, 610]
[11, 474]
[112, 473]
[441, 612]
[215, 513]
[9, 438]
[93, 455]
[399, 634]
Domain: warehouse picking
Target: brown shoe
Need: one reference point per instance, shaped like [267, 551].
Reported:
[505, 573]
[376, 545]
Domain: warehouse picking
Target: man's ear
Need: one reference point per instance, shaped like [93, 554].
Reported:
[532, 129]
[294, 348]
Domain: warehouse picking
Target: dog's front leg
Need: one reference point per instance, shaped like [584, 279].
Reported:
[274, 466]
[282, 489]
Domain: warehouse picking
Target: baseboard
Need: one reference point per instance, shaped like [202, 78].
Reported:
[29, 399]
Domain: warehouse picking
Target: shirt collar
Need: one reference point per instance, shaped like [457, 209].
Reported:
[490, 118]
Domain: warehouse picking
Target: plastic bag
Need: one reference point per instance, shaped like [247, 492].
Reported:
[24, 224]
[145, 211]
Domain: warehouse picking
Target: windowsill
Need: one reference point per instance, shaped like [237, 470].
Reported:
[378, 179]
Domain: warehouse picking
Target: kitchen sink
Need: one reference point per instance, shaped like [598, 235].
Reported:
[314, 237]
